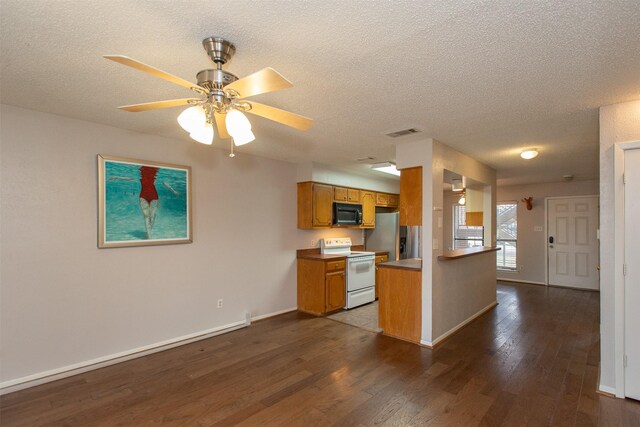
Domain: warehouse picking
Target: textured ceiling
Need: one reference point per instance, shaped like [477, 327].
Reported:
[487, 78]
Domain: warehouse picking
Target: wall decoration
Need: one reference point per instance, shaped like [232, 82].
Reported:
[142, 203]
[528, 202]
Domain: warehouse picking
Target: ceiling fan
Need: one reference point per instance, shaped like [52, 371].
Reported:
[222, 98]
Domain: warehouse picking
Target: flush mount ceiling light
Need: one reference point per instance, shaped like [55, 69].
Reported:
[529, 153]
[222, 97]
[386, 167]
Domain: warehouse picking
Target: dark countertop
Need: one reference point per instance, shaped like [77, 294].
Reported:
[403, 264]
[462, 253]
[314, 253]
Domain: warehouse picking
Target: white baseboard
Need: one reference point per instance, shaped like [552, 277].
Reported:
[100, 362]
[275, 313]
[528, 282]
[432, 344]
[607, 390]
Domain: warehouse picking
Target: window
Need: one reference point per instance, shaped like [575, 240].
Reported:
[507, 236]
[465, 236]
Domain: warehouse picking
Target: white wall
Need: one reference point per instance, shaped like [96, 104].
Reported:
[453, 291]
[531, 245]
[65, 302]
[317, 172]
[618, 123]
[463, 287]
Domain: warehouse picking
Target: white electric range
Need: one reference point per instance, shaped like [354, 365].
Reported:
[360, 270]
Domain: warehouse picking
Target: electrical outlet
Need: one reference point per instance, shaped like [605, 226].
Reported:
[220, 303]
[313, 243]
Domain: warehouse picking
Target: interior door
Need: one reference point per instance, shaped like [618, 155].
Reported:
[572, 225]
[632, 276]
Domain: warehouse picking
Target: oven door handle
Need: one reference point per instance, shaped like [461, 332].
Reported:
[361, 261]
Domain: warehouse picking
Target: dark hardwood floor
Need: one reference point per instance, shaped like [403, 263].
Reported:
[531, 361]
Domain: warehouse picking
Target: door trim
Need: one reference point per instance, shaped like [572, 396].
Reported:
[618, 260]
[546, 229]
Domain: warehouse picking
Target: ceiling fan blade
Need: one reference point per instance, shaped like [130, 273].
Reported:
[281, 116]
[125, 60]
[221, 125]
[134, 108]
[263, 81]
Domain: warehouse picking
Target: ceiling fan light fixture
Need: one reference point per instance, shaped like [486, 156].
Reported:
[243, 138]
[203, 135]
[386, 167]
[193, 119]
[237, 122]
[529, 153]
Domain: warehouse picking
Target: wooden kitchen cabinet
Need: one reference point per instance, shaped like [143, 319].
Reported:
[387, 200]
[368, 199]
[342, 194]
[321, 285]
[315, 205]
[411, 196]
[379, 259]
[400, 303]
[336, 291]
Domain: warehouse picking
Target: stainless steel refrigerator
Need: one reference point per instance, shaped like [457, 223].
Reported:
[400, 241]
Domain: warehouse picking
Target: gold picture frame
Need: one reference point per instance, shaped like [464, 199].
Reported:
[143, 203]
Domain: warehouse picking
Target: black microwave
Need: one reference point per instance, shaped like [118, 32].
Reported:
[347, 214]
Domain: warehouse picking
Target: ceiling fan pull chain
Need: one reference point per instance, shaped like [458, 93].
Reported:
[231, 154]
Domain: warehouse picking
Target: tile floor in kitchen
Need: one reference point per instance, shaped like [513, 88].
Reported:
[365, 317]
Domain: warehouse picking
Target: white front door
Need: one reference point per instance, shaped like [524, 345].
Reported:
[572, 225]
[632, 276]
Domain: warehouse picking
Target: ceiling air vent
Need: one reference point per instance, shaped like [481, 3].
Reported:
[403, 132]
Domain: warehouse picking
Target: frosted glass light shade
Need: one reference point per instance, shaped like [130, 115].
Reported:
[193, 119]
[237, 122]
[529, 154]
[243, 137]
[462, 200]
[203, 135]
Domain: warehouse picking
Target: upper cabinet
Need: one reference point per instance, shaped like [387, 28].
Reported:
[342, 194]
[411, 196]
[387, 200]
[315, 204]
[368, 199]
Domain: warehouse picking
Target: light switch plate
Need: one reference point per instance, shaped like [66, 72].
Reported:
[537, 228]
[435, 244]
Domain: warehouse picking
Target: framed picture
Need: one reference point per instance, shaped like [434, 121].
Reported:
[142, 203]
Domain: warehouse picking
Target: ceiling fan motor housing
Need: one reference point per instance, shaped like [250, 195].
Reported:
[215, 79]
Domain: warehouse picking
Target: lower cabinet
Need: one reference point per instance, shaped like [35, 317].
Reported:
[379, 259]
[336, 293]
[321, 285]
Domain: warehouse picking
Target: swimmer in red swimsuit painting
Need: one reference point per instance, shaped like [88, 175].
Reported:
[148, 196]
